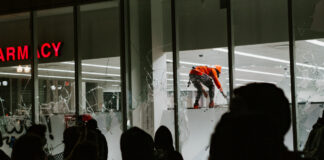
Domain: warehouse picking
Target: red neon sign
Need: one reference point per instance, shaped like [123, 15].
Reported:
[22, 52]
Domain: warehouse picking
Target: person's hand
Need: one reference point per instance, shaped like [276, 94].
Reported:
[224, 95]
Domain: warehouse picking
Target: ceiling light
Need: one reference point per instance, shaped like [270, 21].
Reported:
[14, 74]
[27, 69]
[19, 69]
[180, 80]
[181, 74]
[259, 72]
[102, 74]
[53, 87]
[103, 80]
[253, 55]
[250, 80]
[5, 83]
[70, 71]
[316, 42]
[268, 58]
[93, 65]
[194, 64]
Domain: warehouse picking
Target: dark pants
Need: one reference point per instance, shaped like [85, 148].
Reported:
[207, 81]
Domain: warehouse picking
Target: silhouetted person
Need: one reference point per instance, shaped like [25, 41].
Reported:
[314, 148]
[28, 147]
[136, 144]
[3, 155]
[100, 139]
[163, 143]
[86, 151]
[71, 136]
[38, 130]
[174, 155]
[255, 127]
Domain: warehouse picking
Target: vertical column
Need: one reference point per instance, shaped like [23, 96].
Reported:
[10, 92]
[125, 62]
[77, 59]
[230, 45]
[141, 65]
[292, 58]
[159, 63]
[175, 54]
[34, 66]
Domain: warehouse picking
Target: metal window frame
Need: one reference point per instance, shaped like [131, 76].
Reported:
[175, 66]
[292, 58]
[125, 60]
[34, 66]
[77, 58]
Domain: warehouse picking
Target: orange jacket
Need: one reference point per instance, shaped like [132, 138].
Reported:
[200, 70]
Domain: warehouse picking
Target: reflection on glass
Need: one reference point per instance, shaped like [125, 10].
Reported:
[15, 78]
[56, 75]
[309, 82]
[101, 90]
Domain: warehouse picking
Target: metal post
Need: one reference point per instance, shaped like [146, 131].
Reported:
[34, 67]
[125, 62]
[292, 58]
[230, 45]
[77, 59]
[175, 54]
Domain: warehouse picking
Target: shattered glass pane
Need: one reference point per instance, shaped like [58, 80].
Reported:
[309, 82]
[15, 78]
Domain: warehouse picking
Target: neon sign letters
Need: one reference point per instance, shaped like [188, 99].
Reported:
[19, 53]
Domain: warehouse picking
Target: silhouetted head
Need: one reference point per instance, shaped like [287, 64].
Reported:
[266, 99]
[136, 144]
[92, 124]
[163, 139]
[38, 130]
[70, 138]
[28, 147]
[248, 136]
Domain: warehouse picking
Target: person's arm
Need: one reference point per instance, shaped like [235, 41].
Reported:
[216, 81]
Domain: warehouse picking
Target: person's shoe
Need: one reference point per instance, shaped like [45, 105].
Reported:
[196, 106]
[211, 104]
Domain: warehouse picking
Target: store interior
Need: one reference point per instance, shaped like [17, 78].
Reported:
[256, 60]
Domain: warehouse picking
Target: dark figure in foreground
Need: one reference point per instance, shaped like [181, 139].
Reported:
[164, 145]
[80, 144]
[255, 127]
[71, 136]
[102, 145]
[136, 144]
[314, 148]
[28, 147]
[38, 130]
[3, 155]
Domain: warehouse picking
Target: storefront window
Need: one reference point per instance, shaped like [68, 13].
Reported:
[151, 70]
[56, 75]
[203, 74]
[309, 35]
[15, 78]
[261, 45]
[101, 80]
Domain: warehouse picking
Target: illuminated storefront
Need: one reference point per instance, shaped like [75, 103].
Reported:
[118, 61]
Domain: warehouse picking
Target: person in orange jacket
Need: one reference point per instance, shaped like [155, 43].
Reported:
[205, 75]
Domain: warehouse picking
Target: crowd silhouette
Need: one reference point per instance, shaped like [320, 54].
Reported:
[253, 129]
